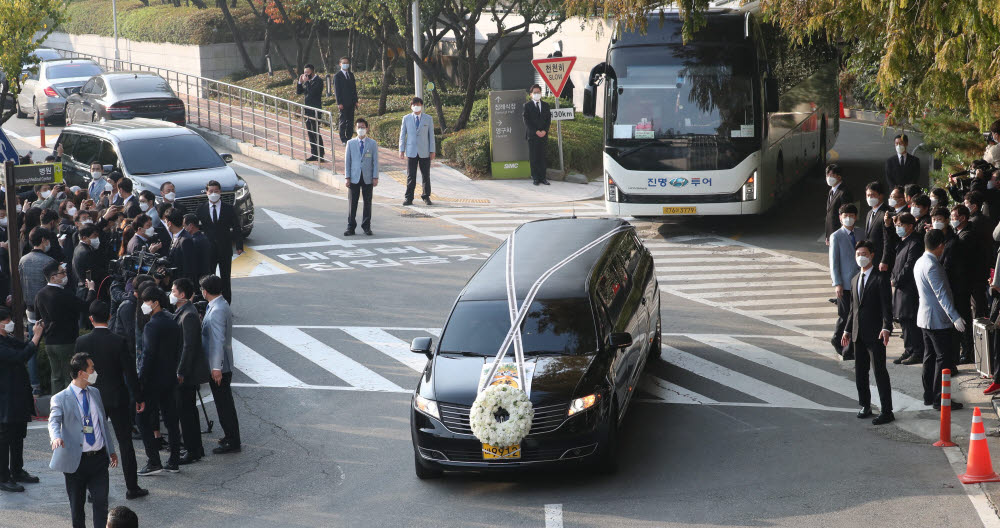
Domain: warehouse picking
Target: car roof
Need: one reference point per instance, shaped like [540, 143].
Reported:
[68, 61]
[538, 246]
[125, 129]
[115, 74]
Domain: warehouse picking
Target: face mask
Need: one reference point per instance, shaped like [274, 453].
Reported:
[872, 202]
[87, 221]
[938, 225]
[831, 181]
[9, 327]
[169, 196]
[150, 232]
[144, 206]
[46, 194]
[917, 212]
[71, 211]
[19, 208]
[97, 175]
[900, 149]
[416, 108]
[3, 221]
[934, 203]
[95, 242]
[146, 309]
[92, 378]
[45, 248]
[214, 197]
[863, 261]
[892, 202]
[74, 189]
[955, 224]
[536, 97]
[848, 221]
[173, 298]
[63, 281]
[362, 132]
[345, 67]
[900, 231]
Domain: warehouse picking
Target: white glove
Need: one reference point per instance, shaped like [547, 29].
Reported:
[960, 325]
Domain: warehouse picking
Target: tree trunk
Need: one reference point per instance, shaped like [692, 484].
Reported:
[200, 4]
[237, 39]
[277, 47]
[386, 67]
[323, 54]
[472, 75]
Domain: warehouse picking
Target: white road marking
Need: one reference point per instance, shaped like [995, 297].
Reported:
[763, 301]
[975, 492]
[671, 392]
[755, 285]
[689, 277]
[553, 516]
[829, 309]
[261, 369]
[762, 294]
[346, 243]
[290, 183]
[388, 344]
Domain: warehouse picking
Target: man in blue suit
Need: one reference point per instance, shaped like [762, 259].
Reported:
[82, 445]
[936, 317]
[361, 171]
[842, 268]
[416, 144]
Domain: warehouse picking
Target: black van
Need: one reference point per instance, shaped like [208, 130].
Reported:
[587, 336]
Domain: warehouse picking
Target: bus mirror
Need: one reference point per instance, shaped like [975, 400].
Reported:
[590, 101]
[770, 95]
[595, 74]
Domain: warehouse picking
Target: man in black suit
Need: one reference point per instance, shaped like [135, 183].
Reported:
[897, 206]
[182, 253]
[921, 210]
[223, 227]
[906, 300]
[203, 249]
[903, 168]
[868, 327]
[88, 262]
[537, 120]
[129, 203]
[346, 91]
[161, 349]
[311, 85]
[839, 195]
[119, 387]
[16, 403]
[955, 261]
[192, 369]
[874, 229]
[59, 307]
[982, 232]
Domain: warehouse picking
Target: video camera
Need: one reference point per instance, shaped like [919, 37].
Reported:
[141, 262]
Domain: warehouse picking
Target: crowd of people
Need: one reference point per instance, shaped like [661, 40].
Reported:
[121, 291]
[922, 259]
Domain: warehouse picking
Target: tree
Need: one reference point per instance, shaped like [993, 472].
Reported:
[19, 21]
[632, 15]
[237, 38]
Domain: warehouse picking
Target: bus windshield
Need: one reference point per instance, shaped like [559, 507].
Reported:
[659, 93]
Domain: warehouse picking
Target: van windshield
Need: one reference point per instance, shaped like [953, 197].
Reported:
[175, 153]
[553, 326]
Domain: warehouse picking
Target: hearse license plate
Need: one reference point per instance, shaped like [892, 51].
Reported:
[680, 210]
[506, 453]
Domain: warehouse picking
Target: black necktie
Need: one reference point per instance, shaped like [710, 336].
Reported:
[861, 286]
[539, 106]
[215, 215]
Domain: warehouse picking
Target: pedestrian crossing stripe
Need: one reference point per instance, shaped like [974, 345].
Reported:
[677, 352]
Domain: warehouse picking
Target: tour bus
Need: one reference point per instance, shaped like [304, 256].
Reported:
[724, 124]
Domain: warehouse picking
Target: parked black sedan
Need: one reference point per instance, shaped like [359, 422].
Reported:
[587, 336]
[124, 95]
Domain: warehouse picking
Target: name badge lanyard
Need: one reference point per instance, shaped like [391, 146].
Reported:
[88, 422]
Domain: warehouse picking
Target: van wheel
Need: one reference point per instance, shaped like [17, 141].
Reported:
[20, 113]
[424, 473]
[607, 462]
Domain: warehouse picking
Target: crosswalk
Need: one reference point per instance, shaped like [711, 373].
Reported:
[696, 369]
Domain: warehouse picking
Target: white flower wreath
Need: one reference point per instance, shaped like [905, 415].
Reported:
[501, 434]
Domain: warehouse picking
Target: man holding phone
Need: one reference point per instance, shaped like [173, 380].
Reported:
[311, 85]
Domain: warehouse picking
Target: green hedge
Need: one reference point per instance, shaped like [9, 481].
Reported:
[160, 22]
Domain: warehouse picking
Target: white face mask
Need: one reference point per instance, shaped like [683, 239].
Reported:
[144, 206]
[19, 208]
[934, 203]
[938, 224]
[150, 232]
[92, 378]
[97, 175]
[8, 327]
[173, 298]
[536, 97]
[831, 181]
[3, 222]
[416, 108]
[917, 212]
[863, 261]
[169, 196]
[848, 221]
[146, 309]
[87, 222]
[872, 202]
[362, 132]
[71, 211]
[955, 223]
[345, 67]
[63, 280]
[892, 202]
[46, 194]
[95, 242]
[214, 197]
[900, 149]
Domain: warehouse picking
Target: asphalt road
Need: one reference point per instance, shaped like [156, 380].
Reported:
[745, 422]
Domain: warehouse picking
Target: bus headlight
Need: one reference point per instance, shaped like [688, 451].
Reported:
[612, 188]
[750, 188]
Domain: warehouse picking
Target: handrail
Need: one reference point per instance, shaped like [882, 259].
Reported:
[240, 113]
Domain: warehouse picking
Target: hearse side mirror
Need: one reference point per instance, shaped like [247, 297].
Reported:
[770, 94]
[620, 339]
[228, 158]
[421, 345]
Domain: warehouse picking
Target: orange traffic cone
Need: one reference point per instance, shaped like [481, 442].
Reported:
[980, 467]
[945, 440]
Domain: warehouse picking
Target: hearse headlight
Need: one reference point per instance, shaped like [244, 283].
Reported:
[582, 404]
[242, 192]
[612, 188]
[750, 188]
[428, 407]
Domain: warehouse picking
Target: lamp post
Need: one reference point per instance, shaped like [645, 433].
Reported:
[418, 76]
[114, 19]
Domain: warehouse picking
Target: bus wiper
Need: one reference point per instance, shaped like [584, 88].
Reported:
[638, 148]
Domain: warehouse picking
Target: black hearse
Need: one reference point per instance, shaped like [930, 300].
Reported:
[587, 336]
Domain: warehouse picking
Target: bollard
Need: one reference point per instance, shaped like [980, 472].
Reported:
[945, 440]
[41, 130]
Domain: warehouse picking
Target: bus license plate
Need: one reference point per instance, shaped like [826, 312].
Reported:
[506, 453]
[680, 210]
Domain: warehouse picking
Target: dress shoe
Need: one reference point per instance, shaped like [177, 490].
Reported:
[349, 232]
[992, 389]
[536, 183]
[150, 469]
[913, 360]
[368, 232]
[36, 391]
[188, 459]
[222, 440]
[171, 467]
[883, 418]
[25, 477]
[10, 485]
[865, 412]
[900, 359]
[954, 406]
[428, 201]
[546, 182]
[407, 202]
[136, 493]
[227, 448]
[312, 158]
[849, 356]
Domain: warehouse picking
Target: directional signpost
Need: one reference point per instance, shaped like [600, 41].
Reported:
[555, 73]
[508, 148]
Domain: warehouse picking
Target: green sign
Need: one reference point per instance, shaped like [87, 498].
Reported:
[38, 173]
[508, 146]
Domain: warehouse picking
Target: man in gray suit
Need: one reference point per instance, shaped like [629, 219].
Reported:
[416, 144]
[361, 171]
[217, 342]
[82, 445]
[936, 316]
[842, 267]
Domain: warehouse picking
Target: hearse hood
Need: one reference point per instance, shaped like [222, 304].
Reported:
[552, 379]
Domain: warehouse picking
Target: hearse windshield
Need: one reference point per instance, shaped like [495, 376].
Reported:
[555, 326]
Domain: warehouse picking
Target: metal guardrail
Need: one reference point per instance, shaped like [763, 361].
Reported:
[266, 121]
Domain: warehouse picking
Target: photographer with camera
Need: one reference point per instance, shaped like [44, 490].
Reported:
[88, 262]
[145, 238]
